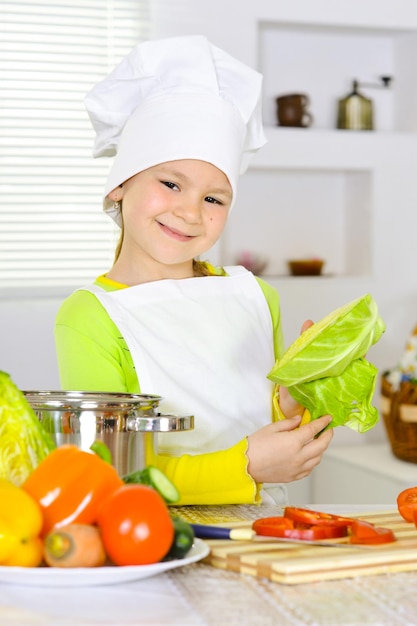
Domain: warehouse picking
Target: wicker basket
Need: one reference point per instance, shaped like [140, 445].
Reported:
[399, 411]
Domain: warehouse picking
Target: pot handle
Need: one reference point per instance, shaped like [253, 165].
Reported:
[160, 423]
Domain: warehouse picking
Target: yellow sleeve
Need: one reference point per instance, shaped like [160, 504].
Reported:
[278, 415]
[214, 478]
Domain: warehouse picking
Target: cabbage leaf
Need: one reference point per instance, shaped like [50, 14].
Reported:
[23, 441]
[327, 347]
[325, 369]
[346, 397]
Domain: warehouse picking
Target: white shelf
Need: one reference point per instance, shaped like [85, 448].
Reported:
[334, 150]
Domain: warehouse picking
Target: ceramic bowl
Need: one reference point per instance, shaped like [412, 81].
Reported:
[306, 267]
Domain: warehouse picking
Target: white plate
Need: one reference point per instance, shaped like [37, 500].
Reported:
[90, 576]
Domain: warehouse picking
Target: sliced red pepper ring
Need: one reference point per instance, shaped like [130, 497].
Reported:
[309, 525]
[367, 533]
[308, 516]
[316, 532]
[269, 526]
[285, 528]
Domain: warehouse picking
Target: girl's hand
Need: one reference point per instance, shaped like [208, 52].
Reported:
[281, 452]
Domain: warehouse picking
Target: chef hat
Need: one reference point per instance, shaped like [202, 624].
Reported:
[176, 98]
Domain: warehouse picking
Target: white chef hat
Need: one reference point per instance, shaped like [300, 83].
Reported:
[176, 98]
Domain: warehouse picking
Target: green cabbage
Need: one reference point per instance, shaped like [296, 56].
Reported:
[23, 441]
[325, 369]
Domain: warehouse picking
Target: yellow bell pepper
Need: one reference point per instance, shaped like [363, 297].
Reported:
[20, 527]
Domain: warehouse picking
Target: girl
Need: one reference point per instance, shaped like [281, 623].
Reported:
[183, 119]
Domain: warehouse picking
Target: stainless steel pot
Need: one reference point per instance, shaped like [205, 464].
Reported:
[127, 423]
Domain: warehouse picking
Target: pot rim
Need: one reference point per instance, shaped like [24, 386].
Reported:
[89, 399]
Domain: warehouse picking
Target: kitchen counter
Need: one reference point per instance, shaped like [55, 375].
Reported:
[201, 595]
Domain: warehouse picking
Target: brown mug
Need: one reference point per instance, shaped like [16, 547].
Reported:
[291, 110]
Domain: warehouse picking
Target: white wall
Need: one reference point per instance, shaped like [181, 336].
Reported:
[27, 349]
[26, 325]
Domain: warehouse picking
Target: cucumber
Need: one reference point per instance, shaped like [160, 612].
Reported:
[154, 477]
[183, 539]
[103, 451]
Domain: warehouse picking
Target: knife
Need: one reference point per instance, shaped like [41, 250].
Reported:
[204, 531]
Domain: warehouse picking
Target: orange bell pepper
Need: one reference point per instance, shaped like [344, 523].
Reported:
[70, 485]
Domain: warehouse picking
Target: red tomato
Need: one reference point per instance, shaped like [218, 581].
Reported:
[407, 503]
[307, 516]
[286, 528]
[365, 532]
[136, 526]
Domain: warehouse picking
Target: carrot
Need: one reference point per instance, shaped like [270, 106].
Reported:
[75, 545]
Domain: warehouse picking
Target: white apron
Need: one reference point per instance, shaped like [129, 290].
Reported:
[205, 345]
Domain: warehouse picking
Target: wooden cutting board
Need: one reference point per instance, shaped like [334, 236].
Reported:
[292, 564]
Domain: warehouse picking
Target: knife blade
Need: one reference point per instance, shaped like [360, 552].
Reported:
[204, 531]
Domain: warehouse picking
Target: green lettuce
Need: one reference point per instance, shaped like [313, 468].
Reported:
[325, 369]
[23, 441]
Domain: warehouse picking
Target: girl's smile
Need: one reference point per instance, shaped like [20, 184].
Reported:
[172, 232]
